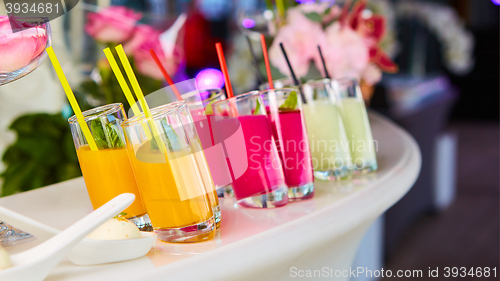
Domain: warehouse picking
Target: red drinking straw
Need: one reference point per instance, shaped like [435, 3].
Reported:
[223, 67]
[165, 74]
[266, 60]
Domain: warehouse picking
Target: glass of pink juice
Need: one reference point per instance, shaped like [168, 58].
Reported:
[262, 184]
[200, 103]
[284, 108]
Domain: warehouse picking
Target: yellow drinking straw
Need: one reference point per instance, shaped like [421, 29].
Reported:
[71, 98]
[133, 80]
[138, 92]
[125, 88]
[121, 81]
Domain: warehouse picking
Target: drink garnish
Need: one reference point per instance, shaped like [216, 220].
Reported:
[291, 102]
[257, 108]
[208, 108]
[102, 134]
[173, 140]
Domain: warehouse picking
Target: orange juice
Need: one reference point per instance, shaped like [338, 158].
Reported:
[108, 173]
[207, 180]
[173, 190]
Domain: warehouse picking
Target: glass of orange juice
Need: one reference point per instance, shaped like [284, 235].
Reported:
[107, 171]
[172, 174]
[202, 154]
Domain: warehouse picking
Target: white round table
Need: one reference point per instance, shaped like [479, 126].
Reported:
[317, 236]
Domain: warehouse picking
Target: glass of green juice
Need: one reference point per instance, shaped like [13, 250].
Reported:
[330, 151]
[357, 126]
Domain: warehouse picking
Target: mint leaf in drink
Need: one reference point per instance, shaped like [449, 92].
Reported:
[208, 108]
[154, 145]
[103, 134]
[98, 134]
[113, 136]
[257, 108]
[291, 102]
[174, 142]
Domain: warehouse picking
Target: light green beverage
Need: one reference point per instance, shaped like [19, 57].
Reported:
[327, 137]
[327, 140]
[359, 134]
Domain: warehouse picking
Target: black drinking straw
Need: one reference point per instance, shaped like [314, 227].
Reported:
[327, 75]
[295, 80]
[255, 63]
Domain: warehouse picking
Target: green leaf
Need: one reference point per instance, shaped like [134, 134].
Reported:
[98, 134]
[114, 136]
[67, 171]
[257, 108]
[208, 108]
[291, 102]
[106, 136]
[313, 16]
[40, 149]
[327, 11]
[17, 177]
[174, 141]
[49, 125]
[68, 148]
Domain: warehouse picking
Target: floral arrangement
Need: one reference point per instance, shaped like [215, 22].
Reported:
[457, 42]
[119, 25]
[350, 37]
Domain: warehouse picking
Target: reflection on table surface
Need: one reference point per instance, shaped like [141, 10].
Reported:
[239, 223]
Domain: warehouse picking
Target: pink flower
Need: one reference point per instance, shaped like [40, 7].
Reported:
[371, 74]
[147, 66]
[345, 52]
[300, 38]
[142, 34]
[113, 24]
[18, 49]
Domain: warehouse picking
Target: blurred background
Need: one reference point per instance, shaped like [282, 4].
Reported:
[445, 92]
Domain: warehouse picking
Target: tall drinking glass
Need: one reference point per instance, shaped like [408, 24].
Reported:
[107, 171]
[262, 185]
[357, 126]
[327, 137]
[200, 103]
[284, 109]
[171, 179]
[199, 151]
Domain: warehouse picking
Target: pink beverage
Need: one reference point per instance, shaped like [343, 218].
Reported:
[293, 144]
[261, 182]
[297, 157]
[200, 106]
[202, 124]
[264, 172]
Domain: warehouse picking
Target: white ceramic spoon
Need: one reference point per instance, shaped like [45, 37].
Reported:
[87, 251]
[36, 263]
